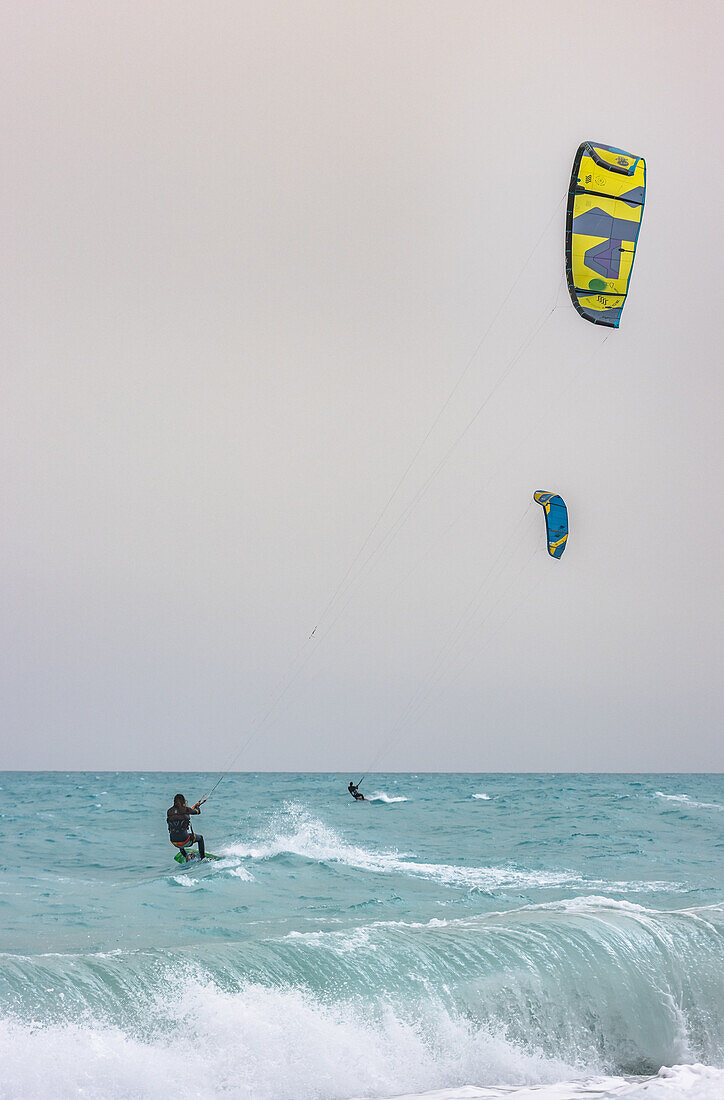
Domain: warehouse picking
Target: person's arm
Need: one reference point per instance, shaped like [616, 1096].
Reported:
[195, 809]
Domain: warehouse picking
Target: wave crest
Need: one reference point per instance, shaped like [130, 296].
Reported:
[611, 987]
[296, 832]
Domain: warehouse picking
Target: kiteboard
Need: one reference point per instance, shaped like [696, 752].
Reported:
[194, 855]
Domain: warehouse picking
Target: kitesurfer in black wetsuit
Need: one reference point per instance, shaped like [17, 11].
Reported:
[355, 792]
[179, 826]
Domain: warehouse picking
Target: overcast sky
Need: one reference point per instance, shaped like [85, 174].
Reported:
[249, 251]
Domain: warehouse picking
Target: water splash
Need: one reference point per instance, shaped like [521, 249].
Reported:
[381, 796]
[685, 800]
[296, 832]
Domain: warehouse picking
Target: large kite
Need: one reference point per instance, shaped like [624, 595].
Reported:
[556, 521]
[605, 208]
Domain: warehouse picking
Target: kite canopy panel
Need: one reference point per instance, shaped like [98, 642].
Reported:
[556, 521]
[605, 208]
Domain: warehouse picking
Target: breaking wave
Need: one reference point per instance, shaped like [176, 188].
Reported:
[385, 1008]
[295, 832]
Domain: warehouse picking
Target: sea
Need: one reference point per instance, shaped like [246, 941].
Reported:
[545, 937]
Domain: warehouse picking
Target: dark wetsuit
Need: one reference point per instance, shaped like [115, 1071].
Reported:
[180, 832]
[356, 794]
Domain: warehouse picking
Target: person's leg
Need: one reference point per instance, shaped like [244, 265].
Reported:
[202, 849]
[185, 854]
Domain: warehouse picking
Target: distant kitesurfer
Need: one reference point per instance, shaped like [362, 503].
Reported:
[179, 826]
[356, 792]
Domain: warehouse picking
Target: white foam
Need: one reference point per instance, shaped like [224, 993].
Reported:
[295, 832]
[695, 1082]
[264, 1044]
[380, 796]
[261, 1044]
[588, 903]
[484, 797]
[241, 872]
[685, 800]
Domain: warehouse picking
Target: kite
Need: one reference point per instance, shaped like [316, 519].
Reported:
[603, 218]
[556, 521]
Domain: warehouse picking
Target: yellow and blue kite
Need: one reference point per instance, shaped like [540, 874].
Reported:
[556, 521]
[605, 207]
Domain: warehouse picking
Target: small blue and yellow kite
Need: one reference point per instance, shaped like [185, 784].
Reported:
[556, 521]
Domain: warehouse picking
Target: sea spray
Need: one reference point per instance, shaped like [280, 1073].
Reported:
[263, 1044]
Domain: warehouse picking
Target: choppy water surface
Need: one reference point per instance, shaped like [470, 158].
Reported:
[458, 932]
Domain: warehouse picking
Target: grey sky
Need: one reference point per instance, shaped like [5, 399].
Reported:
[249, 249]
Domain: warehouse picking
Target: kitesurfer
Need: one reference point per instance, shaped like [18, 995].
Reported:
[179, 826]
[356, 792]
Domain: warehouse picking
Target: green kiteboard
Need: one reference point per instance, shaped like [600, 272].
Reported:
[194, 855]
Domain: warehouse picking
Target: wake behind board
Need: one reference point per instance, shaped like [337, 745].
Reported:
[194, 855]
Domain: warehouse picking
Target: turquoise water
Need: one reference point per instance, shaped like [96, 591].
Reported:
[457, 930]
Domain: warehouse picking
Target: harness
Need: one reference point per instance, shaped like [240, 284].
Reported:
[179, 829]
[185, 843]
